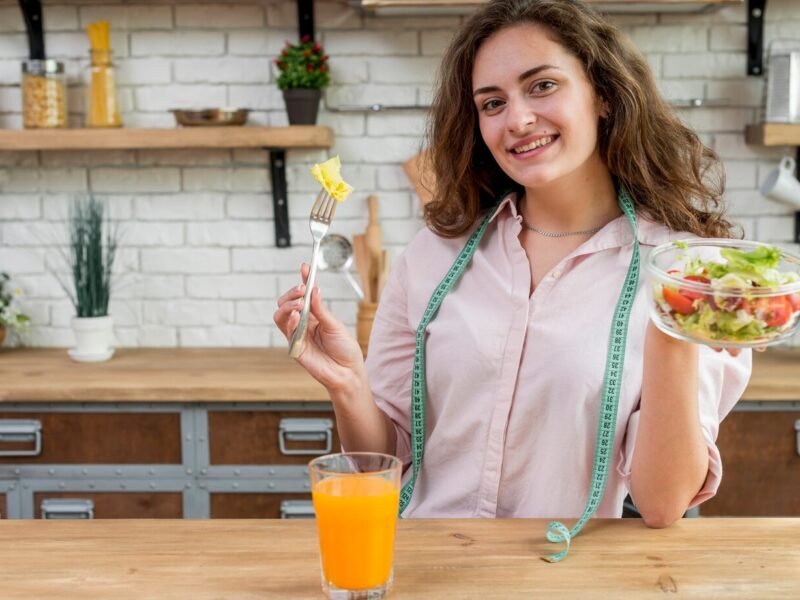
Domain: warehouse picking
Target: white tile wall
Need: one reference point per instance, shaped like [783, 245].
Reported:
[199, 266]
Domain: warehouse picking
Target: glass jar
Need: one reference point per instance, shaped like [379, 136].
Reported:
[102, 108]
[44, 94]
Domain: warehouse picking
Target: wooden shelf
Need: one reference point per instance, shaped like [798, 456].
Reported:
[773, 134]
[389, 7]
[294, 136]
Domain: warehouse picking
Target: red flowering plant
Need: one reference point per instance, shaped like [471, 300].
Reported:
[303, 65]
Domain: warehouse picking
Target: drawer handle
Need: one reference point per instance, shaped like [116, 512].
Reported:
[297, 509]
[21, 430]
[797, 435]
[67, 508]
[305, 430]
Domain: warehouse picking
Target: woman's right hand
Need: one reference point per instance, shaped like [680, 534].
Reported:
[330, 354]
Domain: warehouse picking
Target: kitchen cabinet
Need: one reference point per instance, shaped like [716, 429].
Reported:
[228, 433]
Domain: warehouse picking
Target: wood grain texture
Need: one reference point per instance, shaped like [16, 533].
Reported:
[773, 134]
[241, 375]
[122, 505]
[761, 467]
[295, 136]
[480, 559]
[250, 505]
[157, 375]
[251, 437]
[100, 438]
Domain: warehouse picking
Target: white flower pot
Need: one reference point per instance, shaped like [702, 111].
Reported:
[94, 337]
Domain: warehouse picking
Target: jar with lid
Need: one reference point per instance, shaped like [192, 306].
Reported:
[44, 94]
[102, 108]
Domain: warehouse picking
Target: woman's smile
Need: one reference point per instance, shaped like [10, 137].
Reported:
[532, 149]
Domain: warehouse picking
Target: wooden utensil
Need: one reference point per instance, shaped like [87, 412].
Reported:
[362, 264]
[383, 276]
[374, 239]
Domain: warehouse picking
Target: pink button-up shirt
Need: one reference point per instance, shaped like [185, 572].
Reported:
[514, 379]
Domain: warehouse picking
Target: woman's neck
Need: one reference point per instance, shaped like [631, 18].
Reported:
[577, 202]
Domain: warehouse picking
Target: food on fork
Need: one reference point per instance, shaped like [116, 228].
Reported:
[329, 177]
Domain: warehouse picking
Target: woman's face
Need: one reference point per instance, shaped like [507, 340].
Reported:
[537, 111]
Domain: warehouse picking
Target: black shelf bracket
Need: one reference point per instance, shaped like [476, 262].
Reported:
[797, 212]
[280, 204]
[755, 37]
[305, 18]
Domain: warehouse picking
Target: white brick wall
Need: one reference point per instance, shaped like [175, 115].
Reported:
[198, 266]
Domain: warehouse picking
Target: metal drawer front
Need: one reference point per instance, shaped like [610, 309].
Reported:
[17, 431]
[305, 430]
[67, 508]
[297, 509]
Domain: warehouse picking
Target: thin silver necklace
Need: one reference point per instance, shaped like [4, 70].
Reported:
[560, 234]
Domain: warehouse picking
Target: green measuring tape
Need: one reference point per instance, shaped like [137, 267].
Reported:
[615, 361]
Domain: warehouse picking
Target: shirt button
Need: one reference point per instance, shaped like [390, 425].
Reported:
[557, 273]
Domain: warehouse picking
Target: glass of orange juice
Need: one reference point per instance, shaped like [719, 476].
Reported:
[356, 499]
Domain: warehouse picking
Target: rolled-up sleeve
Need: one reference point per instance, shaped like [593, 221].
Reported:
[390, 357]
[722, 379]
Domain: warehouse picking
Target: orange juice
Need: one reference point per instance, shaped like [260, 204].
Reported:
[356, 517]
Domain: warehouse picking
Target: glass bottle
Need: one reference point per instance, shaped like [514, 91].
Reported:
[102, 108]
[44, 94]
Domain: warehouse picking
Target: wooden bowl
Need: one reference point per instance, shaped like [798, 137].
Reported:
[210, 117]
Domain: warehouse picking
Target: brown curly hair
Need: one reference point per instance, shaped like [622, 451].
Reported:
[671, 175]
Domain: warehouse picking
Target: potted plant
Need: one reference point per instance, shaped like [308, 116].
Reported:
[92, 248]
[303, 74]
[11, 318]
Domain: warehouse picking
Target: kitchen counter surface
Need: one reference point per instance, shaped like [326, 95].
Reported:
[241, 375]
[449, 558]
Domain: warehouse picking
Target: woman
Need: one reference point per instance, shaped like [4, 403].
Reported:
[546, 124]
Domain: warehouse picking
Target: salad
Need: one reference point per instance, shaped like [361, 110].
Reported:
[740, 298]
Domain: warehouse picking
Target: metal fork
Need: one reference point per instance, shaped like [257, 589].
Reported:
[320, 222]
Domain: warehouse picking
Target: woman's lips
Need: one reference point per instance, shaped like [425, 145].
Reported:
[536, 151]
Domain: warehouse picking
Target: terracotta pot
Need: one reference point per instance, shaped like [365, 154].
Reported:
[302, 105]
[2, 335]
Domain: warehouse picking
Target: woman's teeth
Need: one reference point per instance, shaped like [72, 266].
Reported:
[537, 144]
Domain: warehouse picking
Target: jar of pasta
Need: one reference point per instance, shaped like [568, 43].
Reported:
[102, 108]
[44, 94]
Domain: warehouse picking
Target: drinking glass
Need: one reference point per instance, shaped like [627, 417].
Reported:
[356, 498]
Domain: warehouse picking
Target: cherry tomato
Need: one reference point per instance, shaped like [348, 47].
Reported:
[775, 311]
[678, 302]
[794, 301]
[691, 294]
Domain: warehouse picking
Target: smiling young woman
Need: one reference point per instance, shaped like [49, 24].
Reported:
[512, 347]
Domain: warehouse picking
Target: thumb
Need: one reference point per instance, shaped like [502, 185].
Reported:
[320, 311]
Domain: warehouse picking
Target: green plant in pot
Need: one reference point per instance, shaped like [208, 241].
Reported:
[304, 73]
[92, 248]
[12, 319]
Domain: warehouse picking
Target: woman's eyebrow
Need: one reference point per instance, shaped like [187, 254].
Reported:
[521, 78]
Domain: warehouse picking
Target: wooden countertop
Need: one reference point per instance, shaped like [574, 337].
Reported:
[242, 375]
[157, 375]
[480, 559]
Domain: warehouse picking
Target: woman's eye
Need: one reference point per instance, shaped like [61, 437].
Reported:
[543, 86]
[491, 104]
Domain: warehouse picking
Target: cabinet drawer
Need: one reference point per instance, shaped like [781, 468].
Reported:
[761, 466]
[253, 438]
[122, 505]
[98, 438]
[250, 506]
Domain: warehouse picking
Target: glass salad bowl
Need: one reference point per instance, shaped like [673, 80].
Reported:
[725, 293]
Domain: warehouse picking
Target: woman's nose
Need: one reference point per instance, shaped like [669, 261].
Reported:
[520, 117]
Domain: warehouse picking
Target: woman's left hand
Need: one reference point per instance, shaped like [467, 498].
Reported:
[738, 351]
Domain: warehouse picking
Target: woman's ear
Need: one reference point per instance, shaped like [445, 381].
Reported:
[604, 109]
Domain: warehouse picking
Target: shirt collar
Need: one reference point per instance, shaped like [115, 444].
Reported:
[615, 234]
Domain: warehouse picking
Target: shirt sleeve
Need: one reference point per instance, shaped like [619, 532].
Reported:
[722, 380]
[391, 356]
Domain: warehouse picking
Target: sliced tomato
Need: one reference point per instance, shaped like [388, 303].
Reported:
[678, 302]
[775, 311]
[794, 301]
[691, 294]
